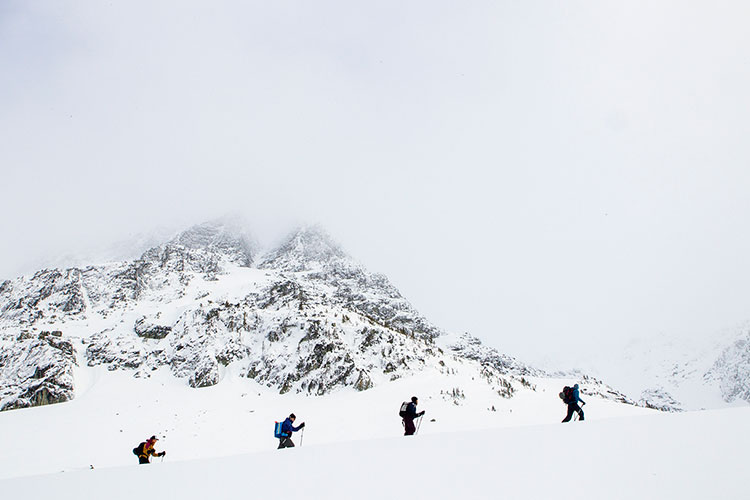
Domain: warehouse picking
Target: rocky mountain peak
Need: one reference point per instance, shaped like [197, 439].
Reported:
[308, 248]
[204, 249]
[228, 236]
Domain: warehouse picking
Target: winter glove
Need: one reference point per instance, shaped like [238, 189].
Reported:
[302, 425]
[583, 404]
[162, 453]
[420, 413]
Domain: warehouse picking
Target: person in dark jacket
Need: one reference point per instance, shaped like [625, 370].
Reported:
[146, 451]
[287, 427]
[572, 399]
[411, 414]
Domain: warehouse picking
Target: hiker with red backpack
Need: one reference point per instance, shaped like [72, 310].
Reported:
[572, 397]
[408, 413]
[285, 434]
[145, 451]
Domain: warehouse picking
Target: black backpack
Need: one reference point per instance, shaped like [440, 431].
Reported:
[403, 411]
[138, 449]
[567, 395]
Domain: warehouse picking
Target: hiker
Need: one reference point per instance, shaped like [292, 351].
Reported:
[146, 449]
[408, 416]
[572, 397]
[285, 441]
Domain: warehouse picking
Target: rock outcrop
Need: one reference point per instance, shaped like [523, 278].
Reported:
[36, 370]
[732, 370]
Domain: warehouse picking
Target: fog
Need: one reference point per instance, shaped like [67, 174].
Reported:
[556, 178]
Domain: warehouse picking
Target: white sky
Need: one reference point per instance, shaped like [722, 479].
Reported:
[554, 177]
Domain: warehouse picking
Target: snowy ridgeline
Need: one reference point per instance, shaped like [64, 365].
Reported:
[303, 317]
[684, 374]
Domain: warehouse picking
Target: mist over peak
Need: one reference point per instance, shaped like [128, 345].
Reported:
[306, 248]
[227, 234]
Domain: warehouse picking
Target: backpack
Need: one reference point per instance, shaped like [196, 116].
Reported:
[567, 395]
[277, 430]
[404, 407]
[138, 449]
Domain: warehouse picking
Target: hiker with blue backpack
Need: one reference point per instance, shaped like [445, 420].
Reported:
[408, 413]
[284, 431]
[572, 397]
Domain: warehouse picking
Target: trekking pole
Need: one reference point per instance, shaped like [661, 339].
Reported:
[302, 436]
[419, 424]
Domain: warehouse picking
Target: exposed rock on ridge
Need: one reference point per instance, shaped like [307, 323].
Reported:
[472, 348]
[36, 370]
[732, 370]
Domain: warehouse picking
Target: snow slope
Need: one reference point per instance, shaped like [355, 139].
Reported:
[652, 455]
[114, 411]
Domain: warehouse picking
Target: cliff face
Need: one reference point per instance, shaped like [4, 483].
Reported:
[36, 370]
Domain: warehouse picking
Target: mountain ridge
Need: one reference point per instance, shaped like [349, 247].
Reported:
[301, 317]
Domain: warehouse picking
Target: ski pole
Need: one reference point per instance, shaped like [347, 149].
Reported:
[302, 436]
[419, 424]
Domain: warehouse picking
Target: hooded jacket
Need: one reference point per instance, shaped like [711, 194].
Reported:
[287, 428]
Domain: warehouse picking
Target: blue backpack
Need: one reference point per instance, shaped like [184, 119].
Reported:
[277, 430]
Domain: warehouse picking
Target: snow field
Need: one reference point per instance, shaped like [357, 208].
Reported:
[219, 443]
[692, 455]
[116, 411]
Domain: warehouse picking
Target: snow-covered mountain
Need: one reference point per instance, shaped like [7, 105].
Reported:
[676, 374]
[731, 370]
[205, 340]
[302, 317]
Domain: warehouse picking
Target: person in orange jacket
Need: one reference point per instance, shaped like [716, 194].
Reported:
[145, 450]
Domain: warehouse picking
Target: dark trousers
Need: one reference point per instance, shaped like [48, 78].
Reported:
[409, 428]
[571, 408]
[285, 442]
[143, 460]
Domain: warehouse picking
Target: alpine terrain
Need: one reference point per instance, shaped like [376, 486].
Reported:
[301, 318]
[205, 341]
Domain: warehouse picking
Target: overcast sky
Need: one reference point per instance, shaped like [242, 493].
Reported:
[553, 177]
